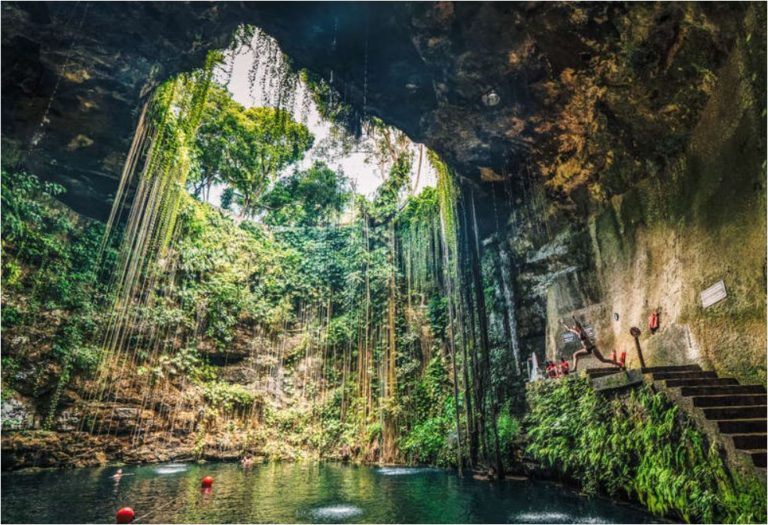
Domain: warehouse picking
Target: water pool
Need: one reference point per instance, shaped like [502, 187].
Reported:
[295, 493]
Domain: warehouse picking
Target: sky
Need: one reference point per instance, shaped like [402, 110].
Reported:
[364, 172]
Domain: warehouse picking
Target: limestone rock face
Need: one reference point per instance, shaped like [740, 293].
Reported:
[17, 413]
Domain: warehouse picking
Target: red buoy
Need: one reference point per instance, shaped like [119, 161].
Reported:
[207, 482]
[125, 515]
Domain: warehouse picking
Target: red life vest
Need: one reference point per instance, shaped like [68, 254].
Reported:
[653, 321]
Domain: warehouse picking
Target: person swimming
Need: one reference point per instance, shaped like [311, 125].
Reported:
[117, 475]
[247, 461]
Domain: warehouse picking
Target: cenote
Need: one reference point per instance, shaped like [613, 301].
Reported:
[295, 493]
[521, 240]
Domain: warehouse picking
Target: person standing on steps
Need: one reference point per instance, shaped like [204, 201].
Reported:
[587, 346]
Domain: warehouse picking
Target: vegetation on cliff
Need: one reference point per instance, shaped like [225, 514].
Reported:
[355, 324]
[639, 447]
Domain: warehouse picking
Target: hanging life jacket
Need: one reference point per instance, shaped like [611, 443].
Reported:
[653, 322]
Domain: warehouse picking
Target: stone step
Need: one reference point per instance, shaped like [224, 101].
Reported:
[730, 400]
[719, 414]
[704, 381]
[661, 376]
[750, 441]
[742, 426]
[722, 390]
[681, 368]
[759, 459]
[601, 372]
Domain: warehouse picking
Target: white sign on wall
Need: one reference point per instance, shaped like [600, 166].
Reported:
[570, 337]
[713, 294]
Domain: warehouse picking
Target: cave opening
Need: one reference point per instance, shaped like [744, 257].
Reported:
[365, 304]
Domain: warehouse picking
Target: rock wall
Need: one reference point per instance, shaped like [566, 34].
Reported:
[675, 233]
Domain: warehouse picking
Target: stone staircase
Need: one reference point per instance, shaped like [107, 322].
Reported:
[728, 412]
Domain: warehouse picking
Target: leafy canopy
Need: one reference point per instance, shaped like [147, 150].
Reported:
[307, 198]
[244, 148]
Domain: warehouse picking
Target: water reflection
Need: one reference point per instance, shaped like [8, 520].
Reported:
[553, 517]
[405, 471]
[335, 513]
[173, 468]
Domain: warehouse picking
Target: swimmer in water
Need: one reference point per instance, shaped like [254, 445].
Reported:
[118, 474]
[247, 462]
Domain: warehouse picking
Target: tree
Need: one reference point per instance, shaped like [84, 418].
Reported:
[307, 198]
[227, 196]
[244, 148]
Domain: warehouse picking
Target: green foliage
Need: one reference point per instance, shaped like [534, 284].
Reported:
[639, 447]
[307, 198]
[187, 362]
[50, 268]
[227, 396]
[227, 198]
[227, 274]
[431, 408]
[386, 203]
[11, 316]
[218, 282]
[86, 359]
[425, 443]
[329, 102]
[509, 429]
[244, 148]
[437, 314]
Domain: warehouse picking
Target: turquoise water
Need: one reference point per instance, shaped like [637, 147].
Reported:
[294, 493]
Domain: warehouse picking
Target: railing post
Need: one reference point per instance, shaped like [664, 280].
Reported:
[635, 333]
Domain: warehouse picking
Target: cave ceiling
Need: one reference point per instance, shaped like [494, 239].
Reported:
[563, 90]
